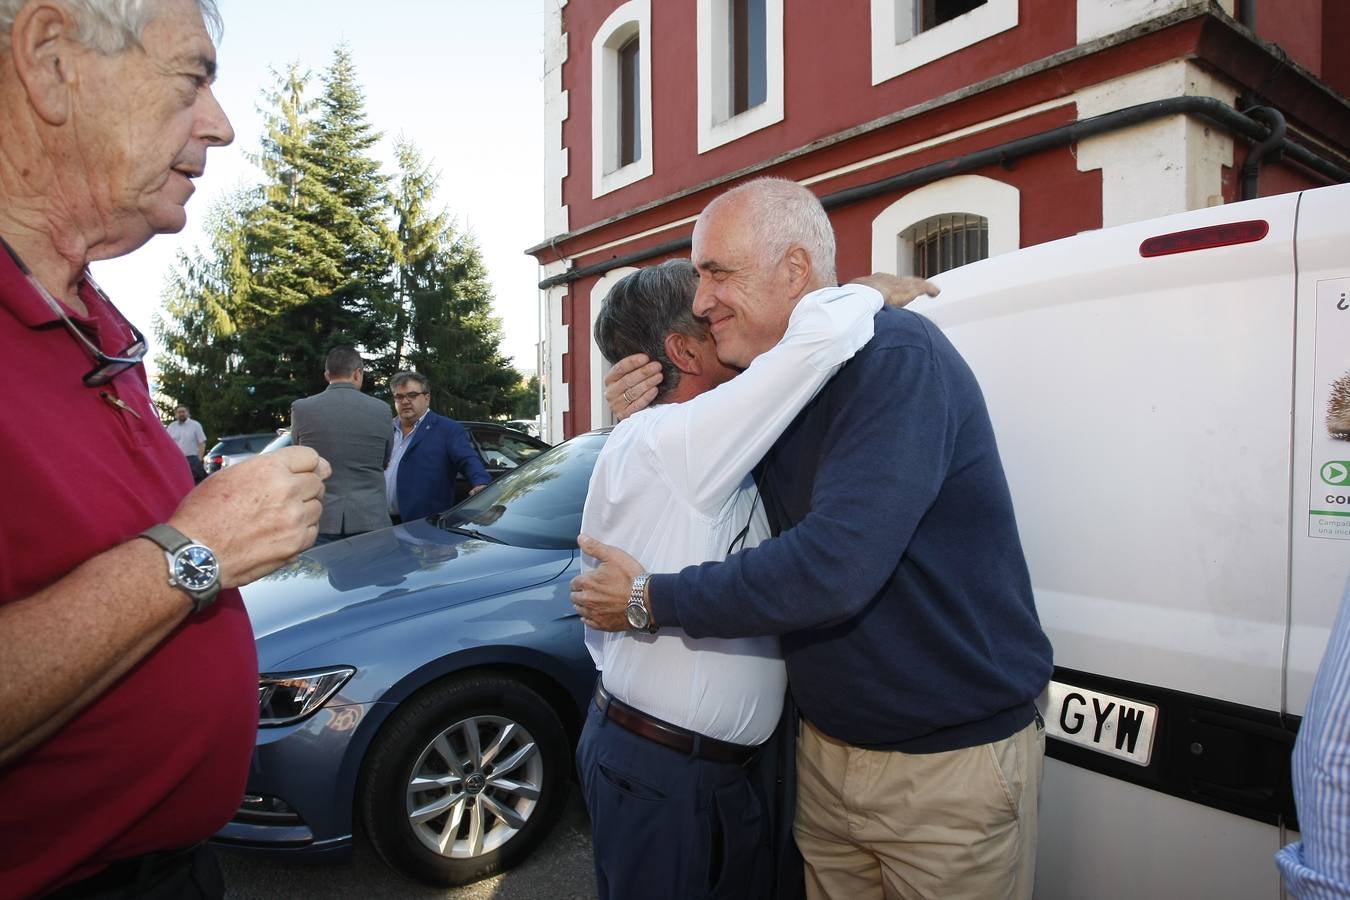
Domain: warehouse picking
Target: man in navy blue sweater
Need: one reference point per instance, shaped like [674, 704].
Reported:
[897, 585]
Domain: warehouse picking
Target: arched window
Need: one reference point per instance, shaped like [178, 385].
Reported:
[621, 99]
[946, 224]
[740, 68]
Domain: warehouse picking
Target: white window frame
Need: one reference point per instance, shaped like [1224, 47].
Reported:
[600, 412]
[716, 126]
[996, 201]
[891, 58]
[633, 17]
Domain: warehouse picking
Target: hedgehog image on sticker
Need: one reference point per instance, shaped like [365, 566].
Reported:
[1338, 408]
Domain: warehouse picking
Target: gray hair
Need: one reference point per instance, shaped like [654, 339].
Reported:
[402, 378]
[110, 26]
[786, 214]
[643, 308]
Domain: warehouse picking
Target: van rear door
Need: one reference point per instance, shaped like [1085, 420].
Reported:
[1320, 532]
[1142, 406]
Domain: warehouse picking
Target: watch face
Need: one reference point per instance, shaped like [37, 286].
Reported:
[637, 615]
[195, 568]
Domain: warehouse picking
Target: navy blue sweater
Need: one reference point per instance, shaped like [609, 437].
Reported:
[898, 584]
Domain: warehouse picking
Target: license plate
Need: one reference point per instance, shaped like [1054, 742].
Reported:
[1117, 726]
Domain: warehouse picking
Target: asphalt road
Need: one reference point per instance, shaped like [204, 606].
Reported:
[559, 868]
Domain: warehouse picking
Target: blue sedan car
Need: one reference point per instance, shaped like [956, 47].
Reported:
[427, 680]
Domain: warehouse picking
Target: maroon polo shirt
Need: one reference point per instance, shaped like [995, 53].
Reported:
[159, 760]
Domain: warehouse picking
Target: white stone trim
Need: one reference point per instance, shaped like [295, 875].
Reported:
[555, 345]
[998, 202]
[1160, 167]
[633, 17]
[893, 55]
[556, 216]
[715, 124]
[1099, 18]
[600, 414]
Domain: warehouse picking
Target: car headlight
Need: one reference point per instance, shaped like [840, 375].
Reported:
[291, 696]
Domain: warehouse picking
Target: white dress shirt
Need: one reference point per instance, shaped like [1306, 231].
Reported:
[672, 487]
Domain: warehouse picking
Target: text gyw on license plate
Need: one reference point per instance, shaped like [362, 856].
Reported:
[1116, 726]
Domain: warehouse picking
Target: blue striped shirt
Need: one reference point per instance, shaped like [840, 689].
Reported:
[1319, 866]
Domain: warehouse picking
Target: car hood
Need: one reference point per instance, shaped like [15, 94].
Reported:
[383, 576]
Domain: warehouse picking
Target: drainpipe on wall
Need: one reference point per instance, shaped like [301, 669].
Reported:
[1330, 166]
[1270, 148]
[1247, 13]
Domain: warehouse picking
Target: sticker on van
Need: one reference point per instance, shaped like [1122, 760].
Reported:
[1329, 498]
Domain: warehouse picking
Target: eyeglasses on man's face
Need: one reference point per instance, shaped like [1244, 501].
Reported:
[410, 396]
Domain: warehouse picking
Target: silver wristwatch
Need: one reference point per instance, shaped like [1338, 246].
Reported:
[193, 568]
[639, 617]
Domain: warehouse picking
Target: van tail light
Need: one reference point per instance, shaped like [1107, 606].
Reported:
[1224, 235]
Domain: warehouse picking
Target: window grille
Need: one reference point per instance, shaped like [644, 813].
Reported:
[947, 241]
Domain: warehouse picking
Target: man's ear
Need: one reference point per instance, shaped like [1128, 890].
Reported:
[799, 270]
[680, 352]
[41, 52]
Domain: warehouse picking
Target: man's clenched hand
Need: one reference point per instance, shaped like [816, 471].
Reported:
[258, 514]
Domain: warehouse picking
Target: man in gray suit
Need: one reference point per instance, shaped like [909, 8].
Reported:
[351, 431]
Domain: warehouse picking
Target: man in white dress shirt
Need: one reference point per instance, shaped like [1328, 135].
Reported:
[668, 757]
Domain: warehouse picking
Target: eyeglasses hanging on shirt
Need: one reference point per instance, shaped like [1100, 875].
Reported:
[105, 367]
[739, 540]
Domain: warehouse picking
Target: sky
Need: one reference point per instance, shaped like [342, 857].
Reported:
[462, 79]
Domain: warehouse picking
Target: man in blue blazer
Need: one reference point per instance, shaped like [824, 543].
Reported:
[429, 450]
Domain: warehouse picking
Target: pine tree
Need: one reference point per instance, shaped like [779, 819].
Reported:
[322, 253]
[199, 328]
[361, 309]
[419, 235]
[446, 328]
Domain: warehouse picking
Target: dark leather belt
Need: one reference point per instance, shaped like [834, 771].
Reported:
[681, 740]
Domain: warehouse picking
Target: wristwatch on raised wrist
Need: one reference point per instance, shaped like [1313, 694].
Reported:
[192, 566]
[639, 616]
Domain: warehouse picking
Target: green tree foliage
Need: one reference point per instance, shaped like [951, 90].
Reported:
[448, 332]
[325, 252]
[524, 399]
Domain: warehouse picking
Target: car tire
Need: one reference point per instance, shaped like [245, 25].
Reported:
[446, 827]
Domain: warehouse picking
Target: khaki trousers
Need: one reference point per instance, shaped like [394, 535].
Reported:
[937, 826]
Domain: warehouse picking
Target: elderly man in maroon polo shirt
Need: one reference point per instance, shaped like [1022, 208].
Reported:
[128, 680]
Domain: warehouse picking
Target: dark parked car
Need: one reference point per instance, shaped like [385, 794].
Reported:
[502, 449]
[235, 448]
[427, 680]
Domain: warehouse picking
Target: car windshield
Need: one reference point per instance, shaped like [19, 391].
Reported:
[538, 505]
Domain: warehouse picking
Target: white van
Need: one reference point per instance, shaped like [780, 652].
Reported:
[1165, 398]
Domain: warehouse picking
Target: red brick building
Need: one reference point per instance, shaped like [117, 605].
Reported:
[935, 131]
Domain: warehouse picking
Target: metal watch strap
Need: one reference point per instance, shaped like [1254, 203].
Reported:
[171, 540]
[637, 596]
